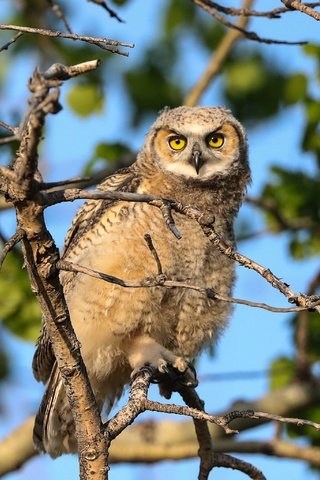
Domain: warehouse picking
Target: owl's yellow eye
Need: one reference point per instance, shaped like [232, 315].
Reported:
[215, 140]
[177, 142]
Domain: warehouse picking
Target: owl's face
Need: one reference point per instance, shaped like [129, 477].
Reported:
[198, 142]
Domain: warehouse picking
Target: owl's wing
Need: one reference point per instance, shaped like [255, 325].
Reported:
[125, 180]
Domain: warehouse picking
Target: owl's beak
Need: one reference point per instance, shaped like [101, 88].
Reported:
[197, 159]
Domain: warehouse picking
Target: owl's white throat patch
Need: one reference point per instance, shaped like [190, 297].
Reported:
[207, 170]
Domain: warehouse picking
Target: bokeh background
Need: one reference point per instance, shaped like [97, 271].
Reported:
[274, 90]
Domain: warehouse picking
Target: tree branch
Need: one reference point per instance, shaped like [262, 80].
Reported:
[217, 60]
[41, 254]
[302, 7]
[101, 42]
[249, 35]
[8, 246]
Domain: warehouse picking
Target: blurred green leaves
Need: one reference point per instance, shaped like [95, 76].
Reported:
[19, 309]
[86, 99]
[281, 373]
[295, 197]
[107, 153]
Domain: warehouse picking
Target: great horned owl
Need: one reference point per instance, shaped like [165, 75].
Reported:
[196, 156]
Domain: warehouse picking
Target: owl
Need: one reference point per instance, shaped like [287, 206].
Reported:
[193, 155]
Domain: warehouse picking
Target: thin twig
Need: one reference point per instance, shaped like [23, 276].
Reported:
[13, 40]
[161, 281]
[299, 422]
[302, 7]
[217, 60]
[62, 183]
[55, 7]
[8, 246]
[12, 138]
[57, 71]
[240, 12]
[154, 252]
[249, 35]
[111, 12]
[101, 42]
[8, 127]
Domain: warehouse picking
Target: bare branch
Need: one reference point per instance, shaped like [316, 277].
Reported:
[13, 40]
[57, 71]
[135, 405]
[161, 281]
[8, 246]
[298, 5]
[8, 127]
[55, 7]
[217, 60]
[245, 12]
[246, 33]
[41, 255]
[63, 183]
[111, 12]
[101, 42]
[154, 252]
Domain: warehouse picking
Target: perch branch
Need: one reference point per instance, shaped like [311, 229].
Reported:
[161, 281]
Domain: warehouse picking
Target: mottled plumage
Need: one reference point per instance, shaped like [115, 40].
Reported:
[196, 156]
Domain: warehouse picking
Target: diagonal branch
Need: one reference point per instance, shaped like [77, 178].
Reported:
[55, 7]
[106, 7]
[302, 7]
[8, 246]
[13, 40]
[217, 60]
[249, 35]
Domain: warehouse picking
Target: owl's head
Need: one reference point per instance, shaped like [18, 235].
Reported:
[198, 143]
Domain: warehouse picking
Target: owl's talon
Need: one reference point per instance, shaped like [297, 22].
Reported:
[163, 366]
[180, 364]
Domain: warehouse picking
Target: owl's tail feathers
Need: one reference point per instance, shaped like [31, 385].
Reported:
[54, 430]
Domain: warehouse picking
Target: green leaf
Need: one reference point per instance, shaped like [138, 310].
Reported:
[295, 88]
[177, 15]
[311, 413]
[282, 372]
[86, 99]
[108, 153]
[252, 87]
[19, 308]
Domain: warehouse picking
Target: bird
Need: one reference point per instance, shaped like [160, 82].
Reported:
[196, 156]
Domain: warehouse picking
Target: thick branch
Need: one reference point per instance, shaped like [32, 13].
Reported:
[41, 255]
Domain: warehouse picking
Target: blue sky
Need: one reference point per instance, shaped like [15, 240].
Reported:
[255, 337]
